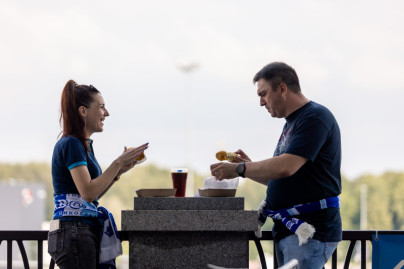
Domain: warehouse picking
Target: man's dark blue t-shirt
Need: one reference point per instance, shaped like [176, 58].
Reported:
[69, 152]
[313, 133]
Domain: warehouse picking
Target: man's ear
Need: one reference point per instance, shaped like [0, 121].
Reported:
[284, 88]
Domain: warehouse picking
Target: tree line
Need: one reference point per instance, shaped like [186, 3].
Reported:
[382, 194]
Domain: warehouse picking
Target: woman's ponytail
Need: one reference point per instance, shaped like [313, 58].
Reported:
[70, 120]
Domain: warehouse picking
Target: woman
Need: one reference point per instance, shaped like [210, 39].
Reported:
[75, 233]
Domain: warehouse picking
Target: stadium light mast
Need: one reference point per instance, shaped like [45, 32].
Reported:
[188, 68]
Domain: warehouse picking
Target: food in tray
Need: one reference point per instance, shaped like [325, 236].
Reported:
[217, 192]
[226, 156]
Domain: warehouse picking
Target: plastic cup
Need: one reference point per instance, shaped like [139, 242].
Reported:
[179, 176]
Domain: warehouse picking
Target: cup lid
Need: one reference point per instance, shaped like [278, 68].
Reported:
[179, 170]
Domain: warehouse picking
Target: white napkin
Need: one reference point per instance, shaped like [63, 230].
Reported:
[213, 183]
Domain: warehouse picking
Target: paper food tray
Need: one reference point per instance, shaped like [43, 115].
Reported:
[217, 192]
[155, 192]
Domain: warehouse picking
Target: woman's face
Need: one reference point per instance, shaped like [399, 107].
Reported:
[95, 115]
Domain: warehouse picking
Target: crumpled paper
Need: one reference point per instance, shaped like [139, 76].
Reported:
[213, 183]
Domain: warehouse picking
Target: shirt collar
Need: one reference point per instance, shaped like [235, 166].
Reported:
[295, 113]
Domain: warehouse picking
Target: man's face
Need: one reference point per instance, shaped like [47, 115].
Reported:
[271, 98]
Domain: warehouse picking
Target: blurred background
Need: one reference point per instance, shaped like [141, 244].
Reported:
[178, 74]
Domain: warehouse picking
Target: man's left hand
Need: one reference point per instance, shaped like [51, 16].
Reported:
[224, 170]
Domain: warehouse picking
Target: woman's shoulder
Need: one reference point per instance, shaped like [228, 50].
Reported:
[69, 141]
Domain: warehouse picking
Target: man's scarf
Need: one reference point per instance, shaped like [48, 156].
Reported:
[302, 229]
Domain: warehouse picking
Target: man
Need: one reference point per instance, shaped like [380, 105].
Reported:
[303, 176]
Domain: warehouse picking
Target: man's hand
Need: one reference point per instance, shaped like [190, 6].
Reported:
[224, 170]
[241, 157]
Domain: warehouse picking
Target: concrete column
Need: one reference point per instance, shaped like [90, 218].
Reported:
[173, 232]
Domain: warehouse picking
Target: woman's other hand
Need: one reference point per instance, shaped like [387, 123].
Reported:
[128, 158]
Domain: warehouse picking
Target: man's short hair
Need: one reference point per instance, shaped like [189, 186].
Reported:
[278, 72]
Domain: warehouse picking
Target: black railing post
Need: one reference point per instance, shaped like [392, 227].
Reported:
[334, 260]
[23, 254]
[363, 254]
[275, 259]
[349, 254]
[260, 252]
[40, 253]
[52, 264]
[9, 254]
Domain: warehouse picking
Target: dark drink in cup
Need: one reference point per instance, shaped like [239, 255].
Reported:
[179, 176]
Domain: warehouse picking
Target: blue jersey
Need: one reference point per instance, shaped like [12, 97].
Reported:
[313, 133]
[69, 152]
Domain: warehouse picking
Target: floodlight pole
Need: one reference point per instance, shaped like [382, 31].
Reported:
[187, 69]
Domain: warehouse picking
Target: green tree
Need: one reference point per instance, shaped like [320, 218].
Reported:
[349, 206]
[384, 200]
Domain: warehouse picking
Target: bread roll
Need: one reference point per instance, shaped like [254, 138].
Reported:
[141, 158]
[226, 156]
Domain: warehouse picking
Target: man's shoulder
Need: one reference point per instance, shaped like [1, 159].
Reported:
[318, 112]
[317, 109]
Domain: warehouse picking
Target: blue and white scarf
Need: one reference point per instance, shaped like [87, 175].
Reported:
[302, 229]
[74, 205]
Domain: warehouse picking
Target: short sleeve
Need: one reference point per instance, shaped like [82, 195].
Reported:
[308, 138]
[74, 153]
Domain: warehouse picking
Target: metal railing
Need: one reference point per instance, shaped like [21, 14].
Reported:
[40, 236]
[348, 236]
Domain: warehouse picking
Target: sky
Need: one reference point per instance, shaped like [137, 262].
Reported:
[348, 54]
